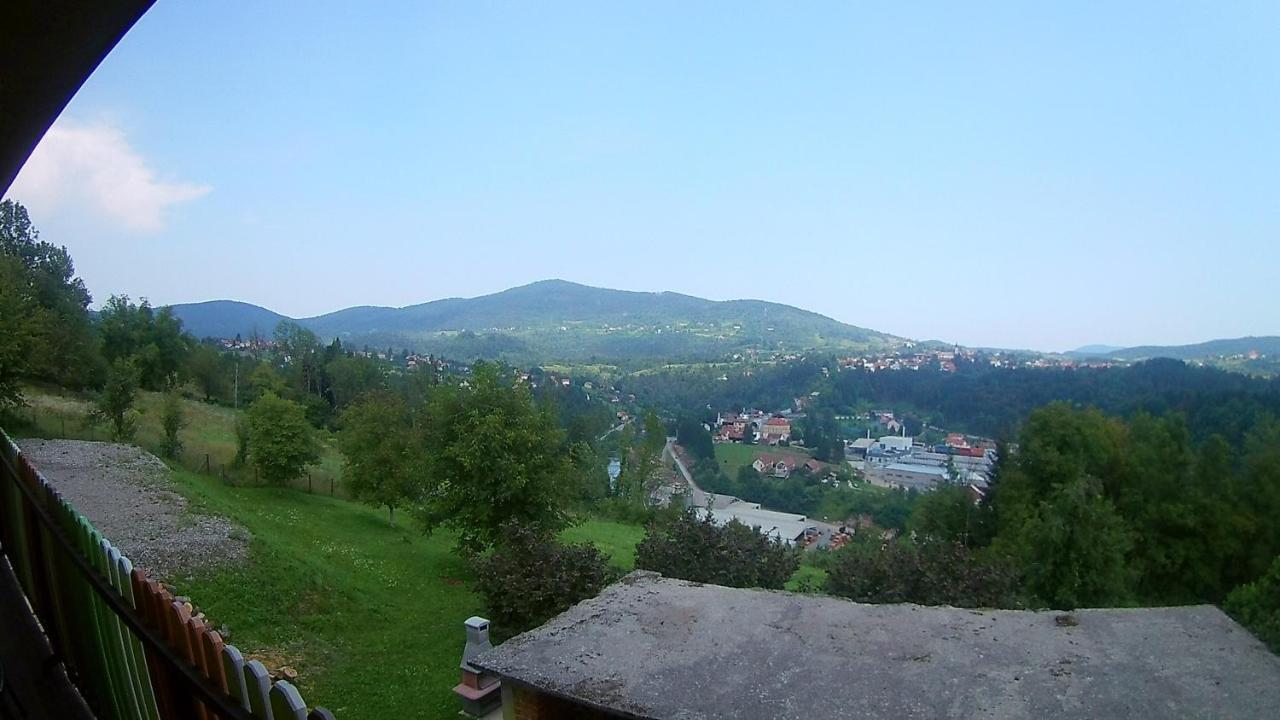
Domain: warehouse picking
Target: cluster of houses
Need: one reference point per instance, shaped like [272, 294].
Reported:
[945, 360]
[752, 426]
[782, 466]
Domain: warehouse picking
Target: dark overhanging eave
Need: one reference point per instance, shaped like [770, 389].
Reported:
[48, 48]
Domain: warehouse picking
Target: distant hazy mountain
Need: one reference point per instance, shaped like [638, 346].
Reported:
[558, 320]
[1095, 349]
[1268, 345]
[227, 318]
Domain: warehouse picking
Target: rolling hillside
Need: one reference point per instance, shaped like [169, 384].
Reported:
[558, 320]
[227, 318]
[1204, 350]
[1258, 356]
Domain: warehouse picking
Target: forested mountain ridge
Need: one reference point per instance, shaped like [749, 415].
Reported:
[1248, 355]
[227, 318]
[559, 320]
[976, 398]
[1263, 345]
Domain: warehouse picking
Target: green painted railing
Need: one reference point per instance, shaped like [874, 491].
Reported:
[134, 652]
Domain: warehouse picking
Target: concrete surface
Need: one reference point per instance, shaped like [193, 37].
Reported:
[651, 647]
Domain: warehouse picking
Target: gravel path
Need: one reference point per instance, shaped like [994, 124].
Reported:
[127, 494]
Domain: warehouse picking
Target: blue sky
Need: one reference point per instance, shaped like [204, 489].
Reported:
[986, 173]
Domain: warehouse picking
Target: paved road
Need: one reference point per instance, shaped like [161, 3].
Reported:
[697, 496]
[615, 429]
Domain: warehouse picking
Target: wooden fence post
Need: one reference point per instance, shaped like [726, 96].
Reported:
[206, 463]
[308, 482]
[330, 486]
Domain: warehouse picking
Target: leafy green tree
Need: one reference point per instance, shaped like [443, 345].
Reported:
[1073, 547]
[697, 549]
[383, 463]
[821, 432]
[154, 339]
[589, 465]
[172, 420]
[927, 572]
[694, 437]
[949, 514]
[17, 305]
[641, 461]
[243, 434]
[351, 377]
[114, 404]
[209, 370]
[492, 455]
[1256, 605]
[531, 577]
[1259, 492]
[55, 303]
[265, 379]
[281, 441]
[302, 355]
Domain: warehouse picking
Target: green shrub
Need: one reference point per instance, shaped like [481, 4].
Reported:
[695, 548]
[171, 424]
[927, 573]
[1256, 605]
[530, 577]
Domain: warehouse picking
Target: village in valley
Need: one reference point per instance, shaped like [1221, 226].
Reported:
[885, 459]
[891, 460]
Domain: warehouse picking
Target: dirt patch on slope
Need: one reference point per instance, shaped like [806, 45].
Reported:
[127, 494]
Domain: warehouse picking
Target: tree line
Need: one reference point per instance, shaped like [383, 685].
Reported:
[976, 398]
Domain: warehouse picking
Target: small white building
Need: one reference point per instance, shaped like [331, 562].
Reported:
[894, 442]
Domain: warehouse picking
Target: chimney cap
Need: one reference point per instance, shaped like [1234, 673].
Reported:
[476, 622]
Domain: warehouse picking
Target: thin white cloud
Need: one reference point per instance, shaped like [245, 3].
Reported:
[79, 167]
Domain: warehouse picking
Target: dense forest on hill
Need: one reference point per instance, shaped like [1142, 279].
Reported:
[976, 398]
[555, 320]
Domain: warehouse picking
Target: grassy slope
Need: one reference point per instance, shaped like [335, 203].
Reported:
[370, 615]
[615, 539]
[209, 430]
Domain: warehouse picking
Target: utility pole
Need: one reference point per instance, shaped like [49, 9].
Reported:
[235, 402]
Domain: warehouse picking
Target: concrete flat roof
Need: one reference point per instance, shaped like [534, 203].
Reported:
[935, 471]
[650, 647]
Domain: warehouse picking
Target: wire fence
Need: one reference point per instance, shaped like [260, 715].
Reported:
[197, 455]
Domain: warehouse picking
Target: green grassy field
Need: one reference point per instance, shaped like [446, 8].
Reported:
[732, 456]
[615, 539]
[209, 437]
[370, 615]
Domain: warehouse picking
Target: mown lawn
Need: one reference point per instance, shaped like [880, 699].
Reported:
[733, 456]
[615, 539]
[370, 615]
